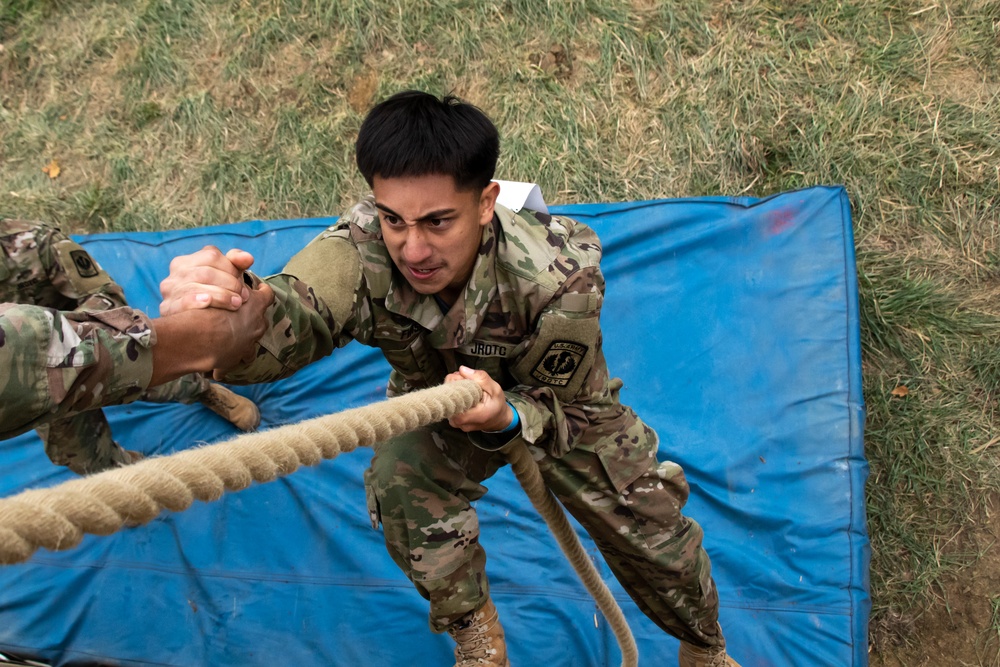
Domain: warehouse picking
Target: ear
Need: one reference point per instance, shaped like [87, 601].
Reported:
[487, 201]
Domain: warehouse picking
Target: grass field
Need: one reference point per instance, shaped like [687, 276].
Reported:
[155, 114]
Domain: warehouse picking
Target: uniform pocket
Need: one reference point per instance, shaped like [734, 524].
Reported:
[652, 492]
[408, 354]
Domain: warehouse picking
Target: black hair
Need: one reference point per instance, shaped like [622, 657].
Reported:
[414, 133]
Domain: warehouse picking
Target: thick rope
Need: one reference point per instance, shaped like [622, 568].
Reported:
[528, 474]
[56, 518]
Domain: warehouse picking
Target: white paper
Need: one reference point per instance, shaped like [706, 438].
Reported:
[516, 195]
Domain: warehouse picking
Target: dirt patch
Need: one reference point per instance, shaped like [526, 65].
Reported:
[963, 628]
[361, 92]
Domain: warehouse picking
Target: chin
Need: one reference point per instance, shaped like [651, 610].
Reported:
[428, 289]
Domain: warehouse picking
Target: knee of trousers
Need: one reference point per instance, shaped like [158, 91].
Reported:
[685, 551]
[422, 500]
[82, 442]
[676, 556]
[402, 464]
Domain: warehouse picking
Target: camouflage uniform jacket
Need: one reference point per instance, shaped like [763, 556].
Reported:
[529, 316]
[39, 265]
[57, 364]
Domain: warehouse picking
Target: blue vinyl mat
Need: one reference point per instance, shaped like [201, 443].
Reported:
[733, 323]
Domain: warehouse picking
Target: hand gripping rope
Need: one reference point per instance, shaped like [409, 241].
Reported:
[56, 518]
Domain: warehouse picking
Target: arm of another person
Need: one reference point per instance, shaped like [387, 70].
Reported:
[56, 364]
[76, 274]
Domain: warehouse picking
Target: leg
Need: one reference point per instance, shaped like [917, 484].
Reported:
[420, 486]
[631, 507]
[83, 443]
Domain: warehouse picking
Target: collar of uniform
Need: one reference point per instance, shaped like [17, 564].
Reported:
[461, 322]
[526, 245]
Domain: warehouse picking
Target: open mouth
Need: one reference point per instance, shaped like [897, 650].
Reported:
[422, 273]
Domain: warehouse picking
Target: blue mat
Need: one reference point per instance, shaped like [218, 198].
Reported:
[733, 323]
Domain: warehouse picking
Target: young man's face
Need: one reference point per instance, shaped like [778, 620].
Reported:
[433, 230]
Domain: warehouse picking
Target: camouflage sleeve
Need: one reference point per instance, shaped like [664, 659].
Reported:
[56, 364]
[76, 275]
[314, 310]
[562, 387]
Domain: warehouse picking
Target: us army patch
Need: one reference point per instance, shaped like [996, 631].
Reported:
[559, 363]
[85, 266]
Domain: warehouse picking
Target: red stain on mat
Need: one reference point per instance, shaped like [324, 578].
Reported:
[780, 220]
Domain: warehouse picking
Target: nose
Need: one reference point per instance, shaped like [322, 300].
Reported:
[415, 246]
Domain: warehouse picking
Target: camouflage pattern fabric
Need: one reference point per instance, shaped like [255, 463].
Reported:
[529, 316]
[41, 266]
[57, 363]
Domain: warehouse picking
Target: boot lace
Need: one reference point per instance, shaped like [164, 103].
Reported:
[472, 646]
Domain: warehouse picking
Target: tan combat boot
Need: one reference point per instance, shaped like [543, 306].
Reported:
[479, 638]
[694, 656]
[241, 412]
[135, 456]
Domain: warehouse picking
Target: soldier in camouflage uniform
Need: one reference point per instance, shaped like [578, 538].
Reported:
[56, 364]
[41, 266]
[449, 285]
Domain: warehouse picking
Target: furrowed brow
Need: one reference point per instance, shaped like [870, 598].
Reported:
[433, 215]
[386, 209]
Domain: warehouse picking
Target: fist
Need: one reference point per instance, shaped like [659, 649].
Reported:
[493, 413]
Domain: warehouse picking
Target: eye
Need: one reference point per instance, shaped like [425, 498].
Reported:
[390, 220]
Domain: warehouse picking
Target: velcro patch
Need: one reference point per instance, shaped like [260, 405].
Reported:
[85, 266]
[559, 363]
[482, 348]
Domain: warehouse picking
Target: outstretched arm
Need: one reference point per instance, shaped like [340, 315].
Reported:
[56, 364]
[209, 339]
[313, 310]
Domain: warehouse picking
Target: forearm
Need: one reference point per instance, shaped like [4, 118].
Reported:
[58, 364]
[188, 342]
[210, 339]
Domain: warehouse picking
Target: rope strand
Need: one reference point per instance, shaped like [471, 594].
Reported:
[528, 474]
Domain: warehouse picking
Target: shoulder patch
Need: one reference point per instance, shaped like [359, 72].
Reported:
[559, 363]
[85, 266]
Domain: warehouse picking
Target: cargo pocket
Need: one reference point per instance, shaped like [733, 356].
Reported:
[407, 353]
[651, 492]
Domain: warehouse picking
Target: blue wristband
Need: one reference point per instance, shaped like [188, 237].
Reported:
[514, 423]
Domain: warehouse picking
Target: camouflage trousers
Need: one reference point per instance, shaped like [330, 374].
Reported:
[83, 442]
[420, 486]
